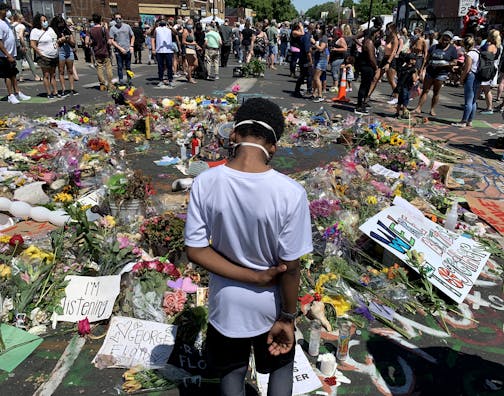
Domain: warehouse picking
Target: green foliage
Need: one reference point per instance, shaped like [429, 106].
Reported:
[384, 7]
[254, 68]
[281, 10]
[315, 12]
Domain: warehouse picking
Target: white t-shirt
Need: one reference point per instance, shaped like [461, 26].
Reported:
[474, 55]
[46, 41]
[8, 39]
[164, 40]
[254, 219]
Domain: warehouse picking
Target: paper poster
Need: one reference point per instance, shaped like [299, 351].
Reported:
[452, 262]
[89, 296]
[490, 210]
[19, 345]
[130, 342]
[304, 378]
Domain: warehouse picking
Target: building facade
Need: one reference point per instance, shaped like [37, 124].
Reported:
[131, 10]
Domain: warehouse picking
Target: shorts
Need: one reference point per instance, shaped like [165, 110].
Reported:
[321, 64]
[7, 69]
[323, 76]
[392, 65]
[66, 53]
[227, 354]
[404, 95]
[273, 49]
[46, 62]
[439, 76]
[350, 74]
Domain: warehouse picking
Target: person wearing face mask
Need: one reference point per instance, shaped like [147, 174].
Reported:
[162, 48]
[8, 70]
[98, 41]
[66, 43]
[44, 41]
[122, 39]
[190, 47]
[254, 281]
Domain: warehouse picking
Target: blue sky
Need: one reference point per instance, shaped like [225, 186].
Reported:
[306, 4]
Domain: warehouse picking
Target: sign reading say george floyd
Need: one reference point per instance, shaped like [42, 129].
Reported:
[89, 296]
[450, 261]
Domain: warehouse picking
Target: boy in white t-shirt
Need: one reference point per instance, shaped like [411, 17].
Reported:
[259, 224]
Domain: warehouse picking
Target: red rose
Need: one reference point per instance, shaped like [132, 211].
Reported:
[16, 240]
[138, 266]
[83, 327]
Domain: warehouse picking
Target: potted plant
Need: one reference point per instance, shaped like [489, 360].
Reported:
[164, 235]
[128, 193]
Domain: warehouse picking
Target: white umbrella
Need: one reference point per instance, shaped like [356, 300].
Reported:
[209, 19]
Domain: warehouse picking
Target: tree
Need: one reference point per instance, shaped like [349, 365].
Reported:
[315, 12]
[384, 7]
[281, 10]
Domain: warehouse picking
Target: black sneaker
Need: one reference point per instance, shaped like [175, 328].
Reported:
[73, 92]
[50, 96]
[361, 111]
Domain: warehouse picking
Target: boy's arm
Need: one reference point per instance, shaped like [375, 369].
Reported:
[281, 338]
[214, 262]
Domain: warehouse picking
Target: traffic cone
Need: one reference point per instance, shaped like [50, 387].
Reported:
[342, 89]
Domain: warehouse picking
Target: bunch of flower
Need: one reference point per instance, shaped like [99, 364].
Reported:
[123, 187]
[164, 230]
[97, 144]
[166, 268]
[323, 207]
[76, 114]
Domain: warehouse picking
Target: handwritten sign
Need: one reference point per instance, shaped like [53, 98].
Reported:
[130, 342]
[89, 296]
[464, 7]
[451, 262]
[490, 210]
[304, 378]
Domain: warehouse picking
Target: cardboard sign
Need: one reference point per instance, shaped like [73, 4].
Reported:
[130, 342]
[30, 228]
[304, 378]
[89, 296]
[452, 262]
[490, 210]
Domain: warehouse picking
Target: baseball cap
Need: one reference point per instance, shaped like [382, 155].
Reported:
[457, 38]
[448, 33]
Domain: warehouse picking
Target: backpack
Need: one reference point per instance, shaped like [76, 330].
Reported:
[486, 67]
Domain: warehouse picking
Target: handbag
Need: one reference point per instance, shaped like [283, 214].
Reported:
[190, 51]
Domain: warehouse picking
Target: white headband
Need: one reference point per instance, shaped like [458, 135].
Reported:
[262, 123]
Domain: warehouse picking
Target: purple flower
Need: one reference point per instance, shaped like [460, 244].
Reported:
[363, 310]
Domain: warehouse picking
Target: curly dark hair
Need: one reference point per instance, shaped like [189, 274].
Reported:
[260, 109]
[37, 21]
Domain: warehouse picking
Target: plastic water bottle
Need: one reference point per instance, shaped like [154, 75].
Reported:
[343, 341]
[183, 152]
[314, 345]
[451, 217]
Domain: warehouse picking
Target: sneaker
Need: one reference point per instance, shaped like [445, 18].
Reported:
[12, 99]
[51, 96]
[216, 77]
[92, 66]
[22, 96]
[361, 111]
[318, 100]
[210, 78]
[393, 101]
[73, 92]
[103, 88]
[487, 112]
[160, 84]
[349, 90]
[170, 84]
[63, 94]
[459, 124]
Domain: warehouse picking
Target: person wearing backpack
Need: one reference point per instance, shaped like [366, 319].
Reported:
[284, 41]
[471, 82]
[490, 55]
[272, 33]
[98, 40]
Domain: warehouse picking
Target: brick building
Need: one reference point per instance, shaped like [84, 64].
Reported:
[131, 10]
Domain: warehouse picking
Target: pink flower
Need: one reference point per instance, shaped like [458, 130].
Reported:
[83, 327]
[26, 277]
[138, 266]
[137, 251]
[235, 88]
[174, 301]
[124, 242]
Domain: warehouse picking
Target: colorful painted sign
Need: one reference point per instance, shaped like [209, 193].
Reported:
[451, 262]
[490, 210]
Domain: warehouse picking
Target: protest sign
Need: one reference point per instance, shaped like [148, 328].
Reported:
[130, 342]
[304, 378]
[89, 296]
[490, 210]
[451, 262]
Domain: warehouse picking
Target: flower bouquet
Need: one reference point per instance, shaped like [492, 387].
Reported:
[164, 235]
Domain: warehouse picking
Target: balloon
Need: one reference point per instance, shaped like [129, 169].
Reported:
[59, 217]
[40, 214]
[5, 203]
[20, 209]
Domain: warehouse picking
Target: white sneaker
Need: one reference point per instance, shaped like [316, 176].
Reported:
[393, 101]
[12, 99]
[22, 96]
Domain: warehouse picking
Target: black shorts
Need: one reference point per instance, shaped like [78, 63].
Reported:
[392, 65]
[7, 69]
[45, 62]
[226, 354]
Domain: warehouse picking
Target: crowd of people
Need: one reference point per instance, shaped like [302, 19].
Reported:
[412, 63]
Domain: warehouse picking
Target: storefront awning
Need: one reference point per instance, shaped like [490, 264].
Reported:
[156, 9]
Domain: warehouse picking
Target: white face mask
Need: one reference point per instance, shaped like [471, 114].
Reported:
[250, 144]
[45, 24]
